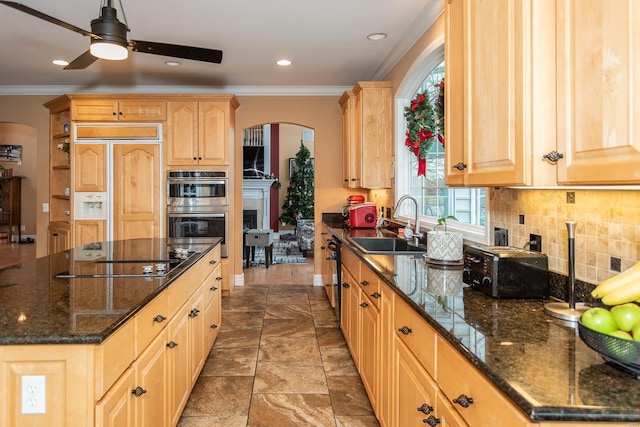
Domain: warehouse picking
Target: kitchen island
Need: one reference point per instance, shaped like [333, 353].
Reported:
[89, 336]
[538, 363]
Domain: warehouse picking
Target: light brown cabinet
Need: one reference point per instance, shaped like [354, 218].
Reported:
[500, 88]
[89, 231]
[200, 132]
[598, 92]
[59, 237]
[115, 110]
[328, 266]
[367, 113]
[90, 163]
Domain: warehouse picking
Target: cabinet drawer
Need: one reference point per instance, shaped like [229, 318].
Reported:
[113, 357]
[213, 284]
[150, 321]
[417, 335]
[457, 378]
[182, 289]
[351, 262]
[370, 285]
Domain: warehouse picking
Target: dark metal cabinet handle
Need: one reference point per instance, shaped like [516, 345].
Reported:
[460, 166]
[376, 295]
[199, 158]
[172, 344]
[159, 318]
[219, 278]
[405, 330]
[364, 305]
[138, 391]
[195, 158]
[194, 313]
[322, 247]
[463, 400]
[213, 326]
[364, 283]
[553, 156]
[213, 289]
[432, 421]
[328, 258]
[425, 409]
[213, 261]
[346, 285]
[114, 113]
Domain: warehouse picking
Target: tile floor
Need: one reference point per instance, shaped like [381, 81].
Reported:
[279, 360]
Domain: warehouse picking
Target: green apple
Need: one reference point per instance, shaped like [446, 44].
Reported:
[621, 334]
[626, 315]
[599, 319]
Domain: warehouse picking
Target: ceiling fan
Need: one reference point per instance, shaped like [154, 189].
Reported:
[109, 39]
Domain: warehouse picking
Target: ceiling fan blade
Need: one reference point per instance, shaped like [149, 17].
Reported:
[177, 51]
[82, 61]
[51, 19]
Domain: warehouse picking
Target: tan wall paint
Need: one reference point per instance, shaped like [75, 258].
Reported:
[29, 111]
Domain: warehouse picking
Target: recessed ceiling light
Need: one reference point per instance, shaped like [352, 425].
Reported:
[283, 62]
[173, 63]
[60, 62]
[377, 36]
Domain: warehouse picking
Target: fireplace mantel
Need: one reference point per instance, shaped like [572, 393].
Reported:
[259, 189]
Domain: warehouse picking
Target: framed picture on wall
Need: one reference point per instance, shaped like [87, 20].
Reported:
[292, 165]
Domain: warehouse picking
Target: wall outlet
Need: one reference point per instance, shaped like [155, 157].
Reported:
[45, 207]
[33, 394]
[535, 242]
[501, 236]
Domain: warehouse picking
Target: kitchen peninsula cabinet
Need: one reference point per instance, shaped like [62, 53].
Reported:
[200, 131]
[106, 109]
[598, 92]
[328, 266]
[500, 92]
[367, 113]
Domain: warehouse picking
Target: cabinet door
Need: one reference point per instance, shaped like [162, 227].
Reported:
[59, 239]
[598, 91]
[196, 335]
[354, 318]
[447, 414]
[213, 147]
[94, 110]
[136, 191]
[90, 167]
[140, 110]
[387, 394]
[150, 388]
[345, 305]
[181, 147]
[351, 153]
[178, 375]
[416, 389]
[116, 409]
[90, 231]
[369, 348]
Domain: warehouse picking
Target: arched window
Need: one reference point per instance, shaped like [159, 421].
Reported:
[436, 200]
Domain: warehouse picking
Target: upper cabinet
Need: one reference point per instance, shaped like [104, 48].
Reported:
[199, 131]
[598, 91]
[368, 135]
[500, 90]
[541, 92]
[115, 110]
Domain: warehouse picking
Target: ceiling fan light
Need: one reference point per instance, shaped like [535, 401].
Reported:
[108, 50]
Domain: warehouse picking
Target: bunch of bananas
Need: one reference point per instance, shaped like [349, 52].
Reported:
[620, 289]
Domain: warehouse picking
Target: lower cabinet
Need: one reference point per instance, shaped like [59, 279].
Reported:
[368, 333]
[59, 237]
[149, 392]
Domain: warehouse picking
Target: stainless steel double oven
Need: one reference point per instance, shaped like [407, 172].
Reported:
[198, 207]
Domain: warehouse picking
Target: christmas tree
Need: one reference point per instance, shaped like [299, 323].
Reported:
[299, 200]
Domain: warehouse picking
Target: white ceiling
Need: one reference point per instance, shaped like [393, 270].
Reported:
[325, 40]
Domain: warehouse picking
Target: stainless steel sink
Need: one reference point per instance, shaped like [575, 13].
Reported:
[385, 245]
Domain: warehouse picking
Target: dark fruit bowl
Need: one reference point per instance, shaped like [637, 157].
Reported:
[624, 353]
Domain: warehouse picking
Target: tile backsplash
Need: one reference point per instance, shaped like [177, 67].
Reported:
[607, 225]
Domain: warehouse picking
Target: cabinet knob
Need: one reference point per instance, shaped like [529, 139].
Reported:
[364, 283]
[432, 421]
[138, 391]
[172, 344]
[218, 278]
[405, 330]
[213, 261]
[199, 158]
[346, 285]
[194, 313]
[213, 326]
[460, 166]
[463, 400]
[213, 289]
[425, 409]
[376, 295]
[159, 318]
[364, 305]
[195, 158]
[553, 156]
[114, 113]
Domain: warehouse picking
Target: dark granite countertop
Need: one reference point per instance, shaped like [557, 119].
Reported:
[36, 307]
[539, 362]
